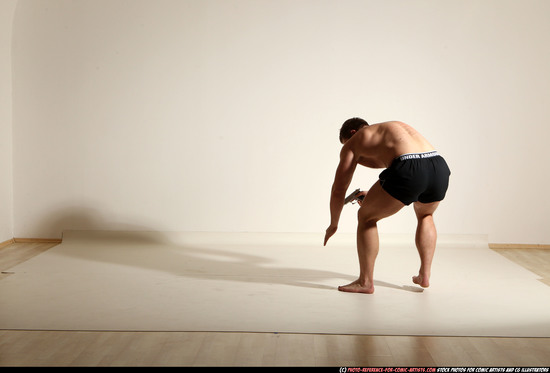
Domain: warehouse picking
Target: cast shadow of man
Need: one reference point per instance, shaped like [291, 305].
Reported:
[231, 261]
[140, 247]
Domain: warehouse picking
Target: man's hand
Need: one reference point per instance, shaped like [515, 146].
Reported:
[330, 232]
[362, 194]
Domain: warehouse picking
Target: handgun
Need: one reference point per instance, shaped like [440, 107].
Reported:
[353, 197]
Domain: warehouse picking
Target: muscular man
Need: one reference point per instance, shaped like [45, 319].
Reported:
[414, 173]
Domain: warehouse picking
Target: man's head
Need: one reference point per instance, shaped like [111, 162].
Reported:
[350, 127]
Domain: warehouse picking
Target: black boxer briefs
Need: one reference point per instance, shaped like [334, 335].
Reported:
[422, 177]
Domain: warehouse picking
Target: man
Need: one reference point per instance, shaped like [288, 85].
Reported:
[414, 173]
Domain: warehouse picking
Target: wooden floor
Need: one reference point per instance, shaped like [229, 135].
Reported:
[85, 348]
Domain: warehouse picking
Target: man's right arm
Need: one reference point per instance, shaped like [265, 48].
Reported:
[342, 180]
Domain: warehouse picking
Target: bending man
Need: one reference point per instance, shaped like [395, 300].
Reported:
[414, 173]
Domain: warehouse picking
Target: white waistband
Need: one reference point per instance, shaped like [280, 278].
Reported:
[431, 154]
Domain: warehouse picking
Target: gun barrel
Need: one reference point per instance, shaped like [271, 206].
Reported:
[351, 197]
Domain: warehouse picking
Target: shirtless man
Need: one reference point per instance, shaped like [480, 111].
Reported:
[414, 173]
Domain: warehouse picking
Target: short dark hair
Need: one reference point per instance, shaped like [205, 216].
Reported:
[350, 125]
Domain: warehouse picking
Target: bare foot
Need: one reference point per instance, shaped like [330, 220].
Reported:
[421, 280]
[356, 287]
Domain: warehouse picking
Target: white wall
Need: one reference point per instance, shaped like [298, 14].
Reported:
[7, 9]
[223, 115]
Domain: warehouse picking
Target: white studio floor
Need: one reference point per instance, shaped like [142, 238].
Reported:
[161, 281]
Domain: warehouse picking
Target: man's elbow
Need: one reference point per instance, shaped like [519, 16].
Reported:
[338, 190]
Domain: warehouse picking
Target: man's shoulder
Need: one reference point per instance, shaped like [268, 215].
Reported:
[367, 135]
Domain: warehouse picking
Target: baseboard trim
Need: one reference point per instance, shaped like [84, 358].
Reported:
[30, 240]
[495, 246]
[37, 240]
[503, 246]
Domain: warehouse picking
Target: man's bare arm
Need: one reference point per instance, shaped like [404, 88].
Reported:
[342, 180]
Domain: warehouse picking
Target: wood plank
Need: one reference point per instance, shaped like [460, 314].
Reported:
[516, 246]
[217, 349]
[448, 351]
[535, 260]
[17, 253]
[73, 348]
[6, 243]
[410, 351]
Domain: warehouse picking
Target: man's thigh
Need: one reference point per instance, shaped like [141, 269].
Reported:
[378, 204]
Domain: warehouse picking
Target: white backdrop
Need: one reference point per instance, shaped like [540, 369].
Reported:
[223, 115]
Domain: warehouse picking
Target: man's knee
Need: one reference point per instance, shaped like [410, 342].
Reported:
[364, 216]
[424, 210]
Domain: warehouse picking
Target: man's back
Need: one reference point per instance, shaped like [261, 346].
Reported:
[377, 145]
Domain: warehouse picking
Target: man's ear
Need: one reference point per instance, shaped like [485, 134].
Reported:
[352, 132]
